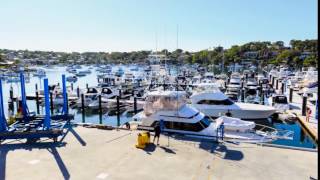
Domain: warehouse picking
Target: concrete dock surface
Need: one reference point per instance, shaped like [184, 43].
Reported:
[89, 153]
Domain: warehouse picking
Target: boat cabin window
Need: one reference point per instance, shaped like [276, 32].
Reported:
[106, 91]
[216, 102]
[183, 126]
[281, 100]
[92, 90]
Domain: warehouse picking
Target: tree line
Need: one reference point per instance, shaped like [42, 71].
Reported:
[300, 53]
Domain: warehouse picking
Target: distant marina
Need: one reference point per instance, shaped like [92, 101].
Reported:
[136, 80]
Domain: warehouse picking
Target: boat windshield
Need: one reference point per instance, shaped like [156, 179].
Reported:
[205, 122]
[207, 87]
[216, 102]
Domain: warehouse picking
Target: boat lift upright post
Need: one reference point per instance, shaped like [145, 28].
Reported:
[65, 96]
[47, 121]
[3, 121]
[25, 110]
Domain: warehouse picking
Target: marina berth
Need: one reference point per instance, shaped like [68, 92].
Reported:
[170, 108]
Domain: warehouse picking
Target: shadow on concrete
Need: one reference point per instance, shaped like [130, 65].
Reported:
[50, 146]
[77, 136]
[150, 148]
[168, 150]
[119, 137]
[213, 147]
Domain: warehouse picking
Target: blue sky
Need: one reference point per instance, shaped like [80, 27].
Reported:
[126, 25]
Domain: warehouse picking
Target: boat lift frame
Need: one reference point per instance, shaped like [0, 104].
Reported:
[33, 127]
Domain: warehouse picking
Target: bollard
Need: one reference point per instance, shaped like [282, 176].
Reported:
[100, 110]
[304, 104]
[118, 111]
[82, 108]
[51, 102]
[290, 94]
[277, 84]
[135, 105]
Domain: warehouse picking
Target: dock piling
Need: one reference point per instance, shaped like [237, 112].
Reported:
[118, 111]
[37, 99]
[37, 102]
[51, 102]
[135, 105]
[290, 94]
[82, 108]
[242, 95]
[262, 97]
[100, 110]
[78, 92]
[272, 82]
[304, 105]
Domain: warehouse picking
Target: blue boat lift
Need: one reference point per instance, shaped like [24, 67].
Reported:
[33, 127]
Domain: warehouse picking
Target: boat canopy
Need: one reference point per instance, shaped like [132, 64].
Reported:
[164, 100]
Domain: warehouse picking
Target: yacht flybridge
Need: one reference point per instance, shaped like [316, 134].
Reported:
[213, 103]
[182, 118]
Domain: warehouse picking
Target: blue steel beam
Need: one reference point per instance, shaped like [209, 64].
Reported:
[3, 121]
[47, 119]
[25, 110]
[65, 98]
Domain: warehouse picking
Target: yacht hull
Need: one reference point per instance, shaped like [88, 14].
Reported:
[242, 112]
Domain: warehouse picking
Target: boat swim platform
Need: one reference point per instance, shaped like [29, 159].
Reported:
[90, 153]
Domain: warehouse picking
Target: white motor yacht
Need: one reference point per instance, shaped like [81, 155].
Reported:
[178, 117]
[90, 95]
[213, 103]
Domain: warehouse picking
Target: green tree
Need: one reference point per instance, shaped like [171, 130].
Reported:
[310, 61]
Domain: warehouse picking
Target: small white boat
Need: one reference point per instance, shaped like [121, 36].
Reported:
[235, 124]
[72, 78]
[40, 73]
[81, 74]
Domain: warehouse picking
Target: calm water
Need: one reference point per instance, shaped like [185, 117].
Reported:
[300, 139]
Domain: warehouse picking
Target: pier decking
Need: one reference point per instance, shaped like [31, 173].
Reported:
[89, 153]
[312, 125]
